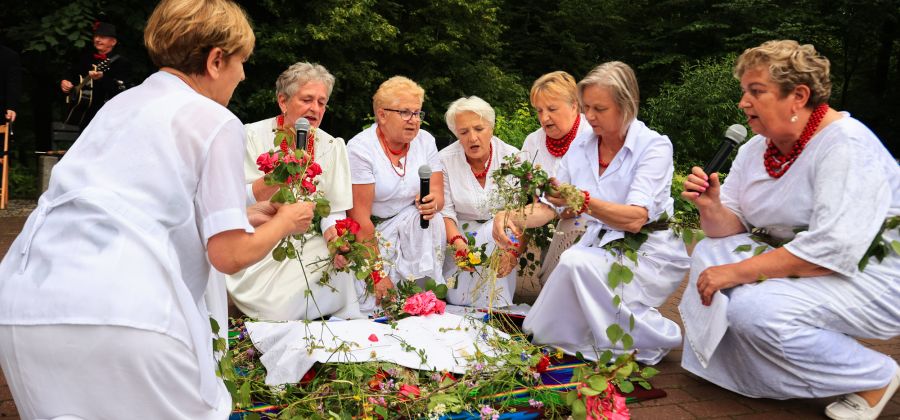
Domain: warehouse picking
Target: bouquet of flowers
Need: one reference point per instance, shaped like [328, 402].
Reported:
[359, 256]
[474, 257]
[408, 299]
[295, 171]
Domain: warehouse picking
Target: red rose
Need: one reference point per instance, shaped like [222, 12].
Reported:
[308, 186]
[346, 225]
[266, 162]
[543, 364]
[313, 170]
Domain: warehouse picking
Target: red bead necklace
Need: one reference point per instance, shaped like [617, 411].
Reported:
[482, 174]
[559, 147]
[776, 163]
[310, 141]
[395, 153]
[599, 157]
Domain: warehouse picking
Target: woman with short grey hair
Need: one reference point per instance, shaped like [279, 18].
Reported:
[468, 164]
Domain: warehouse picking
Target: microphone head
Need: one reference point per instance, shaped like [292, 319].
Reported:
[425, 172]
[736, 133]
[302, 124]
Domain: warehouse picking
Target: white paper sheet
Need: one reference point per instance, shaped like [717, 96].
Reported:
[448, 340]
[704, 325]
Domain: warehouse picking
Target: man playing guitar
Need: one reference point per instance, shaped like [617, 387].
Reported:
[104, 84]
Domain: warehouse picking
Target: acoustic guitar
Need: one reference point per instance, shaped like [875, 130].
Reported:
[81, 96]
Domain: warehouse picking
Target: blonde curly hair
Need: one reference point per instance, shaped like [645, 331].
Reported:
[790, 65]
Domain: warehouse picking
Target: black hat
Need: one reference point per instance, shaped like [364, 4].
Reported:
[104, 29]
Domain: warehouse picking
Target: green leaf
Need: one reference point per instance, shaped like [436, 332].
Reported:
[251, 416]
[644, 384]
[597, 382]
[625, 370]
[214, 325]
[896, 246]
[743, 248]
[631, 322]
[441, 291]
[570, 397]
[614, 332]
[688, 236]
[579, 411]
[631, 255]
[430, 284]
[244, 395]
[648, 372]
[760, 249]
[279, 254]
[625, 386]
[627, 341]
[590, 392]
[605, 357]
[617, 300]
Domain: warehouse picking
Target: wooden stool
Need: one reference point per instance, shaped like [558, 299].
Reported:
[4, 162]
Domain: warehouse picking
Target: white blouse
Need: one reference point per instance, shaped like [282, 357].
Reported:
[842, 187]
[535, 146]
[330, 154]
[465, 199]
[640, 174]
[370, 165]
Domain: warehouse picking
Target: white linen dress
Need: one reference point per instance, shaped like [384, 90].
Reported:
[794, 338]
[467, 203]
[575, 306]
[289, 290]
[412, 252]
[101, 295]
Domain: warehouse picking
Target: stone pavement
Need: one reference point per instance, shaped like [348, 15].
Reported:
[689, 397]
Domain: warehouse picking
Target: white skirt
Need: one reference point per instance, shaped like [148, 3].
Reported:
[575, 307]
[793, 338]
[479, 288]
[103, 372]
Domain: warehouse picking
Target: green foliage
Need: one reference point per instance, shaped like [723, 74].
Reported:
[695, 112]
[514, 125]
[23, 182]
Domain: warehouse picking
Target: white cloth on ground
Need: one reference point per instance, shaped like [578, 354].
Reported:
[792, 338]
[42, 362]
[575, 306]
[467, 203]
[535, 146]
[289, 289]
[145, 220]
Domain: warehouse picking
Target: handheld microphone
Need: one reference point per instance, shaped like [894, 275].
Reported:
[424, 187]
[734, 136]
[302, 128]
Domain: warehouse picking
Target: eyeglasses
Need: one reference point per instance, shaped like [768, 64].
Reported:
[405, 115]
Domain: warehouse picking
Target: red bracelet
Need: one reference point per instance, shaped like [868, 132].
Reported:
[376, 276]
[453, 239]
[513, 251]
[587, 199]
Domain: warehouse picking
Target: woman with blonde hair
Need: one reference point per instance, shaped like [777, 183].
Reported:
[815, 195]
[386, 163]
[147, 202]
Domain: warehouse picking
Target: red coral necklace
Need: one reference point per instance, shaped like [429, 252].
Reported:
[393, 152]
[310, 141]
[483, 174]
[776, 163]
[599, 156]
[559, 147]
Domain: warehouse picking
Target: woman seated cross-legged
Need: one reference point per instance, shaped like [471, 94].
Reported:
[786, 276]
[625, 170]
[468, 165]
[385, 164]
[291, 289]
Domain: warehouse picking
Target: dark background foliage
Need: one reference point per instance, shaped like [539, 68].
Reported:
[682, 51]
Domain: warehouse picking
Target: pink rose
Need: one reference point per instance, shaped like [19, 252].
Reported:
[266, 162]
[424, 303]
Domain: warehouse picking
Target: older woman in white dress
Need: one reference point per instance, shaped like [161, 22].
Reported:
[468, 165]
[781, 324]
[625, 170]
[148, 200]
[290, 289]
[385, 164]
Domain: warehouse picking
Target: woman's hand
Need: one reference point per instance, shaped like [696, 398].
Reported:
[508, 262]
[717, 278]
[297, 216]
[701, 189]
[504, 221]
[427, 206]
[461, 247]
[381, 289]
[340, 261]
[260, 213]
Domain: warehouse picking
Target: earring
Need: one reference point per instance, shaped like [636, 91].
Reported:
[794, 118]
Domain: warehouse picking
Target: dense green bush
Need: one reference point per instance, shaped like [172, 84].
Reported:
[514, 125]
[23, 181]
[695, 112]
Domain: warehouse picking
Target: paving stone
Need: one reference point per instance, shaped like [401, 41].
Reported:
[668, 412]
[8, 409]
[773, 415]
[674, 396]
[718, 408]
